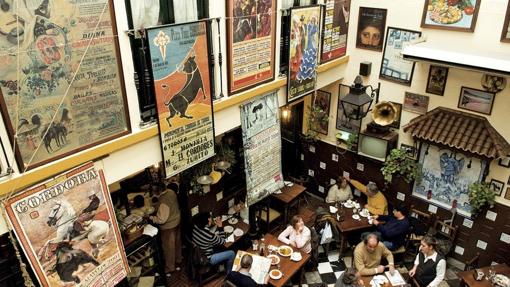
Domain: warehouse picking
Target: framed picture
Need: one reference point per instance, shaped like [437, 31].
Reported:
[497, 186]
[508, 181]
[504, 161]
[322, 101]
[182, 84]
[393, 67]
[371, 26]
[396, 124]
[505, 34]
[70, 94]
[410, 150]
[250, 24]
[436, 81]
[303, 51]
[416, 103]
[507, 194]
[460, 16]
[335, 25]
[476, 100]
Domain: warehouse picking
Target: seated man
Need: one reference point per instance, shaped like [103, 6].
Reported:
[207, 240]
[242, 277]
[368, 254]
[340, 191]
[429, 266]
[394, 228]
[350, 278]
[377, 203]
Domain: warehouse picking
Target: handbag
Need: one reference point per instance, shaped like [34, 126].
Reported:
[326, 234]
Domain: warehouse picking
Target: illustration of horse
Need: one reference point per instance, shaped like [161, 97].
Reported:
[179, 103]
[68, 260]
[450, 166]
[54, 131]
[63, 216]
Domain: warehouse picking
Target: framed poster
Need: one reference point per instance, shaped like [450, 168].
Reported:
[335, 26]
[436, 81]
[416, 103]
[371, 26]
[410, 150]
[479, 101]
[303, 51]
[182, 83]
[68, 230]
[393, 67]
[497, 186]
[396, 123]
[505, 34]
[62, 89]
[322, 101]
[251, 30]
[458, 15]
[505, 162]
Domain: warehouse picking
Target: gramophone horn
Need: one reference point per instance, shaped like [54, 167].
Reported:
[384, 113]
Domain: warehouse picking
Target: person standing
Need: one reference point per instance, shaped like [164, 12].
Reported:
[168, 217]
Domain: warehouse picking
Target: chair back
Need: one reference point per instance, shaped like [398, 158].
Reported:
[315, 240]
[228, 283]
[472, 263]
[419, 222]
[445, 235]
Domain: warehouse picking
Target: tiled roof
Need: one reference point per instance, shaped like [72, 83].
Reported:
[459, 130]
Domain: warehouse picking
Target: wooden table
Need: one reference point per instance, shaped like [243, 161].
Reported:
[467, 278]
[240, 224]
[288, 197]
[287, 266]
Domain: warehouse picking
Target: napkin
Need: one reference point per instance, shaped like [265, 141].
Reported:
[150, 230]
[230, 238]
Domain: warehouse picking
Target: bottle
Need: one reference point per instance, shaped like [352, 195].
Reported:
[262, 249]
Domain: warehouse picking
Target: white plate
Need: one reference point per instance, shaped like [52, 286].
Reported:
[228, 229]
[296, 256]
[355, 216]
[365, 214]
[238, 232]
[282, 248]
[274, 256]
[233, 221]
[333, 209]
[348, 205]
[280, 274]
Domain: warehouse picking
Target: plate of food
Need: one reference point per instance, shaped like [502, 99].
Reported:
[233, 220]
[365, 213]
[275, 274]
[296, 256]
[445, 14]
[349, 204]
[501, 280]
[238, 232]
[228, 229]
[355, 216]
[274, 259]
[285, 250]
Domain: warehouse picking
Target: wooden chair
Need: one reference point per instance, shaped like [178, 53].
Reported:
[197, 271]
[228, 283]
[266, 213]
[420, 222]
[472, 263]
[446, 235]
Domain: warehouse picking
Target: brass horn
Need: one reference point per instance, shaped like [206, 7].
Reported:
[384, 113]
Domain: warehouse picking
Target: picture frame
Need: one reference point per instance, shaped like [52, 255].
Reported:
[415, 103]
[396, 124]
[436, 81]
[410, 150]
[508, 181]
[507, 194]
[463, 16]
[497, 186]
[322, 99]
[504, 161]
[335, 24]
[303, 60]
[57, 117]
[393, 66]
[260, 21]
[371, 28]
[505, 33]
[475, 100]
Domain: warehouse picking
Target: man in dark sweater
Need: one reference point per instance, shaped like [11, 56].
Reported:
[393, 229]
[242, 277]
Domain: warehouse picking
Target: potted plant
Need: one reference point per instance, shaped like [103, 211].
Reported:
[400, 164]
[316, 118]
[480, 196]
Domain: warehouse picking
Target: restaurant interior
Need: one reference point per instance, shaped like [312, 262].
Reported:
[233, 143]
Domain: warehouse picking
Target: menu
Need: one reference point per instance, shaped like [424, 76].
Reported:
[259, 268]
[395, 279]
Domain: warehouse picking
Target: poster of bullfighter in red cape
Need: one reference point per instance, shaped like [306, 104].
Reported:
[180, 68]
[68, 231]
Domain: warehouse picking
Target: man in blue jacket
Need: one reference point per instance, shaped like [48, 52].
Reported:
[393, 229]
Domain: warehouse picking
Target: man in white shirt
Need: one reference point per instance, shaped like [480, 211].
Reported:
[429, 266]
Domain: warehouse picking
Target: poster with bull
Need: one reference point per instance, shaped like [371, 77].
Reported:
[336, 25]
[180, 69]
[262, 147]
[68, 230]
[303, 51]
[251, 29]
[61, 82]
[446, 177]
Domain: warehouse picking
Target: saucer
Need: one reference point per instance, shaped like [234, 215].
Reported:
[233, 221]
[355, 216]
[228, 229]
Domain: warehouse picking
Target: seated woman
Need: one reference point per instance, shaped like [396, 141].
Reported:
[429, 266]
[340, 191]
[350, 278]
[297, 235]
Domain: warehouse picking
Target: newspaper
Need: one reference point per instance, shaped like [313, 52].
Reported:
[395, 279]
[259, 268]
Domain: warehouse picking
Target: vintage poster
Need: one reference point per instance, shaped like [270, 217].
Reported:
[262, 147]
[370, 32]
[251, 28]
[68, 230]
[303, 52]
[447, 176]
[336, 24]
[61, 82]
[180, 68]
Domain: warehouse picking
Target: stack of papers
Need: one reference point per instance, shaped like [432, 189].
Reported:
[395, 279]
[230, 238]
[150, 230]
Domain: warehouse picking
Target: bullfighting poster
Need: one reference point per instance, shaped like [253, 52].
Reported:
[180, 69]
[336, 24]
[447, 176]
[262, 147]
[251, 29]
[304, 51]
[68, 230]
[61, 82]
